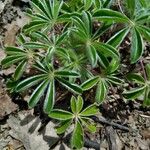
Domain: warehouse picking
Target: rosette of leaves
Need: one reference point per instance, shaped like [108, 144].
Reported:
[80, 5]
[45, 15]
[105, 80]
[53, 44]
[83, 39]
[19, 57]
[143, 88]
[134, 24]
[45, 82]
[79, 117]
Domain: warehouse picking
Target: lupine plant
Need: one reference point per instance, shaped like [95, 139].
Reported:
[143, 88]
[63, 46]
[80, 118]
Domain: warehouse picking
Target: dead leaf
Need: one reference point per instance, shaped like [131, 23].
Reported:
[146, 134]
[6, 105]
[2, 55]
[143, 144]
[25, 128]
[10, 35]
[2, 5]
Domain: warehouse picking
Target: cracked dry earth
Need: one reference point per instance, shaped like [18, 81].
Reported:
[19, 127]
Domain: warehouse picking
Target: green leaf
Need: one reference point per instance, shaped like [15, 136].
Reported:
[107, 3]
[50, 97]
[14, 50]
[143, 3]
[118, 38]
[72, 87]
[38, 92]
[137, 78]
[35, 45]
[77, 136]
[79, 104]
[136, 47]
[40, 66]
[73, 104]
[92, 54]
[147, 68]
[34, 26]
[98, 4]
[113, 66]
[60, 114]
[87, 19]
[131, 6]
[61, 38]
[88, 124]
[12, 59]
[87, 4]
[107, 50]
[90, 111]
[147, 97]
[145, 31]
[63, 73]
[20, 69]
[101, 92]
[134, 93]
[104, 27]
[114, 80]
[90, 83]
[30, 82]
[63, 126]
[110, 15]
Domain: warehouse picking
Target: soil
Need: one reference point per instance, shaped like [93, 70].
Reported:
[122, 125]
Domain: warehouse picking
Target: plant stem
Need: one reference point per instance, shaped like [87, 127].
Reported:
[143, 70]
[119, 4]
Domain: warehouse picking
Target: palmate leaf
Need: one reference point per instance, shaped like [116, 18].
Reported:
[45, 16]
[110, 15]
[134, 93]
[38, 92]
[50, 97]
[77, 136]
[137, 46]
